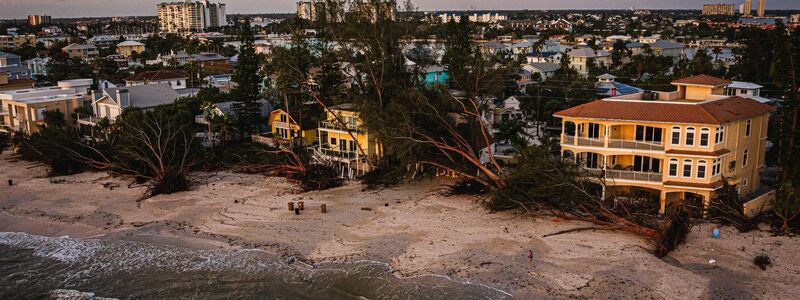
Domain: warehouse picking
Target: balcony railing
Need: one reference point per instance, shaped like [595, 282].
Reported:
[625, 175]
[634, 175]
[338, 126]
[336, 153]
[613, 143]
[638, 145]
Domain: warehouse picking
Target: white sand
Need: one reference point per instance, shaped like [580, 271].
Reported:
[420, 232]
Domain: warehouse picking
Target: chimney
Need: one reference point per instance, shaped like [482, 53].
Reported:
[123, 98]
[614, 91]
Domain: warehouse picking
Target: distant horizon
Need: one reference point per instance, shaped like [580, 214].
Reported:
[124, 8]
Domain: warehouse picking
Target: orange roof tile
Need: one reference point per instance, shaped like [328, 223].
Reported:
[712, 112]
[703, 79]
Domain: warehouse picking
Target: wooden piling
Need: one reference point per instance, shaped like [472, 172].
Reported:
[323, 208]
[300, 205]
[291, 206]
[296, 211]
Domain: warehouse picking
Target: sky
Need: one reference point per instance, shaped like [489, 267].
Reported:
[19, 9]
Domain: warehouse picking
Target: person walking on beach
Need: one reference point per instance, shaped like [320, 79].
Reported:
[530, 256]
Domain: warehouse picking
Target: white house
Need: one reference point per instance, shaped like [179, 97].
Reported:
[109, 103]
[746, 90]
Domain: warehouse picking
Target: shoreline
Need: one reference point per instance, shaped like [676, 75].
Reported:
[419, 233]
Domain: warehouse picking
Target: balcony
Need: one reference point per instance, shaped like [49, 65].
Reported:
[91, 120]
[634, 175]
[337, 154]
[338, 126]
[625, 175]
[612, 143]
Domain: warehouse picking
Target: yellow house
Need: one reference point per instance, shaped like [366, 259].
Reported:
[287, 131]
[344, 139]
[127, 48]
[678, 145]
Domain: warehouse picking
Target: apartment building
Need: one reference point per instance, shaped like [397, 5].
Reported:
[343, 139]
[36, 20]
[719, 9]
[190, 16]
[680, 145]
[23, 110]
[312, 10]
[16, 41]
[374, 10]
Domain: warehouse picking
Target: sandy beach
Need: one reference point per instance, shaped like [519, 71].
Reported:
[411, 227]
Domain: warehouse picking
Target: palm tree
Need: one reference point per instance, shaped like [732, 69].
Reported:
[511, 131]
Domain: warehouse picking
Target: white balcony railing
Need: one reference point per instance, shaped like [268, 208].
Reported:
[613, 143]
[634, 175]
[338, 126]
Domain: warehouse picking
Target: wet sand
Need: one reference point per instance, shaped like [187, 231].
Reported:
[419, 232]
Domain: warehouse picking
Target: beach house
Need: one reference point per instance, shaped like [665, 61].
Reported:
[681, 145]
[343, 139]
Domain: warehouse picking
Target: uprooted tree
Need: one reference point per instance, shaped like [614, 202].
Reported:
[545, 182]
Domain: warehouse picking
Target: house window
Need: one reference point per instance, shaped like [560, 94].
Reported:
[701, 169]
[676, 135]
[747, 128]
[283, 118]
[333, 141]
[591, 160]
[594, 131]
[744, 158]
[687, 168]
[744, 183]
[343, 145]
[352, 145]
[646, 164]
[648, 134]
[716, 167]
[673, 167]
[704, 133]
[719, 137]
[690, 136]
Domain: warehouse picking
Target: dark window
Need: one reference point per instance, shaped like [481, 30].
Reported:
[687, 168]
[747, 128]
[673, 167]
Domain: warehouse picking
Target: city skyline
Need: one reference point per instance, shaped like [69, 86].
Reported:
[99, 8]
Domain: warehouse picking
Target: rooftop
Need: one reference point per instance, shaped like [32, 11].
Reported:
[713, 112]
[156, 75]
[704, 80]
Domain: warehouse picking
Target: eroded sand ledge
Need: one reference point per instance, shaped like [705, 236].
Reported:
[419, 232]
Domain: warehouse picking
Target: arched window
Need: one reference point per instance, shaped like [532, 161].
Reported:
[687, 168]
[704, 134]
[676, 135]
[690, 136]
[673, 167]
[701, 169]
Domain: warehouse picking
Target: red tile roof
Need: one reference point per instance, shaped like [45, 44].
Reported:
[156, 75]
[703, 79]
[711, 112]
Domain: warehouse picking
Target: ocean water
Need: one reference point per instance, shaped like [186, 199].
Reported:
[33, 267]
